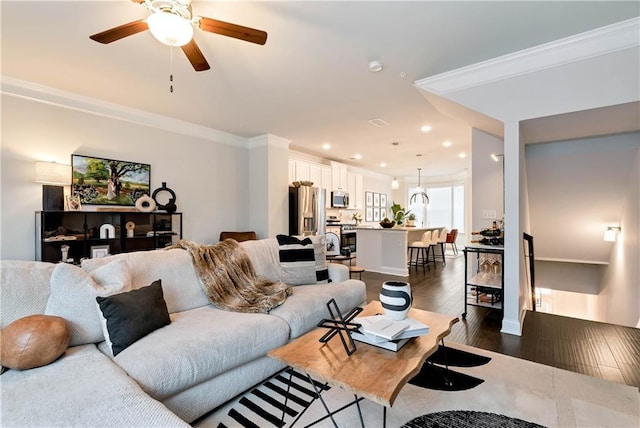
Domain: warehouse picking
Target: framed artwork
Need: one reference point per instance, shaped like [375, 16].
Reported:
[383, 213]
[368, 199]
[73, 203]
[98, 251]
[100, 181]
[383, 200]
[376, 214]
[368, 214]
[376, 200]
[333, 244]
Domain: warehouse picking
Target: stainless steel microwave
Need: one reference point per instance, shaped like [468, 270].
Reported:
[339, 199]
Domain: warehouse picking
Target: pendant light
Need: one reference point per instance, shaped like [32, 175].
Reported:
[395, 184]
[419, 192]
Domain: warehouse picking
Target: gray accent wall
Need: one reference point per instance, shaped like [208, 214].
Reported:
[209, 178]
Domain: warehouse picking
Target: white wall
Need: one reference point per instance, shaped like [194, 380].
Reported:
[268, 181]
[573, 277]
[209, 178]
[487, 191]
[578, 188]
[621, 284]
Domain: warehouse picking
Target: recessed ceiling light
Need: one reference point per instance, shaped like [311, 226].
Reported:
[426, 128]
[357, 156]
[326, 146]
[383, 164]
[375, 66]
[446, 144]
[462, 155]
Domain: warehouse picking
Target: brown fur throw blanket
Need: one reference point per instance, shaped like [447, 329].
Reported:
[229, 280]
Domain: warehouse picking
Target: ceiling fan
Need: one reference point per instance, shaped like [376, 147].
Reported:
[172, 23]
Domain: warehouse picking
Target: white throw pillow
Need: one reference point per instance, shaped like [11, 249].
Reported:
[297, 260]
[73, 297]
[320, 251]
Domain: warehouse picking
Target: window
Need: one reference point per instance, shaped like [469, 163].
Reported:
[445, 208]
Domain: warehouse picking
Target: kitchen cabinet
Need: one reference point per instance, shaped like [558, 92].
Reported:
[355, 189]
[483, 276]
[303, 171]
[339, 177]
[292, 171]
[325, 173]
[89, 234]
[315, 175]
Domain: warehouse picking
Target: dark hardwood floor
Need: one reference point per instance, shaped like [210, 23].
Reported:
[596, 349]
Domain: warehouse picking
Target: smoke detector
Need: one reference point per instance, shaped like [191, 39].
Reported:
[375, 66]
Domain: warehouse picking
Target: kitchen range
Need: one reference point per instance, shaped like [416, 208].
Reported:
[341, 237]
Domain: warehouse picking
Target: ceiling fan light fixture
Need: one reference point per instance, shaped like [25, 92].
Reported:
[170, 29]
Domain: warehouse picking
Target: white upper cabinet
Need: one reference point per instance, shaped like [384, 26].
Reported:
[339, 177]
[292, 171]
[303, 171]
[325, 172]
[330, 178]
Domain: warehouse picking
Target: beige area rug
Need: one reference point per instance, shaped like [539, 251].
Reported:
[512, 387]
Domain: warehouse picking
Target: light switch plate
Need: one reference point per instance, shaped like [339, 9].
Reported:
[488, 213]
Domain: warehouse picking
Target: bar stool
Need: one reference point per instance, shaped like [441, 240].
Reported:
[421, 249]
[437, 240]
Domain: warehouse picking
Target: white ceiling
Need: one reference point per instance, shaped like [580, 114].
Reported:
[310, 83]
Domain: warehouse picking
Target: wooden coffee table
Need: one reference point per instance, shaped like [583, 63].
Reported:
[371, 372]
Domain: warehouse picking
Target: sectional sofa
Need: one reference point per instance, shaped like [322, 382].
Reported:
[171, 376]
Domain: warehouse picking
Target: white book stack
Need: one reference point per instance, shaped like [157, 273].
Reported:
[378, 330]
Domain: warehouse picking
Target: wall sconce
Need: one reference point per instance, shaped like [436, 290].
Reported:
[395, 184]
[611, 234]
[53, 176]
[496, 157]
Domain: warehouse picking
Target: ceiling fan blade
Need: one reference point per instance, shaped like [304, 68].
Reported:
[233, 30]
[120, 32]
[194, 54]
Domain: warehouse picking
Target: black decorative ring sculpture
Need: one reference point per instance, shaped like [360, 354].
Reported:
[170, 206]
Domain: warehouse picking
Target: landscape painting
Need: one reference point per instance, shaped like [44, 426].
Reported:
[99, 181]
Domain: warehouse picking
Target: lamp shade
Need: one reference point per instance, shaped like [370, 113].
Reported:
[170, 29]
[52, 173]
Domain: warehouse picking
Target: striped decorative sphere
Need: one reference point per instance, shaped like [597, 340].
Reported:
[396, 299]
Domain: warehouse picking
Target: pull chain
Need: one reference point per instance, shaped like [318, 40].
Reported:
[171, 70]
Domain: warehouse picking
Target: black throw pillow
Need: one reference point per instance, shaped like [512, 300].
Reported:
[132, 315]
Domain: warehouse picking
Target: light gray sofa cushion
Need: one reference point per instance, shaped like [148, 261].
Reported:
[73, 297]
[199, 344]
[180, 283]
[264, 257]
[24, 289]
[308, 303]
[83, 388]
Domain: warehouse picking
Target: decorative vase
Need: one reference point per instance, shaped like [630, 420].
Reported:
[396, 299]
[145, 204]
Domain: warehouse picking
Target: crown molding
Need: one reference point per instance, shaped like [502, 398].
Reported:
[268, 140]
[600, 41]
[48, 95]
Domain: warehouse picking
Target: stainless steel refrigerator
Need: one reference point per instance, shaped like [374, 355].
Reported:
[307, 213]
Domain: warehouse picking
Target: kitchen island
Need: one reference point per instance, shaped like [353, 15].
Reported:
[385, 250]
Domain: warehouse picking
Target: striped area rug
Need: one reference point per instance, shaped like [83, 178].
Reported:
[264, 405]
